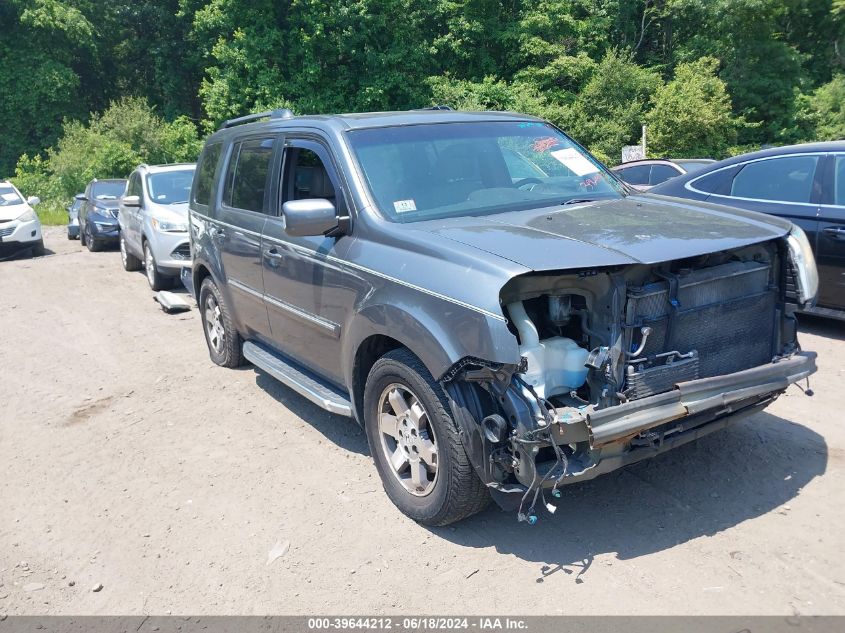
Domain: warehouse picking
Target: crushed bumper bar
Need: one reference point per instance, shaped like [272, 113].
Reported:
[617, 423]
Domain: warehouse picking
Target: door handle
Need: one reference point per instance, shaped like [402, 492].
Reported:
[273, 256]
[218, 232]
[838, 233]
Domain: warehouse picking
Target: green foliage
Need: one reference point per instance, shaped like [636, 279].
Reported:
[610, 110]
[111, 145]
[488, 94]
[825, 109]
[691, 115]
[44, 47]
[595, 67]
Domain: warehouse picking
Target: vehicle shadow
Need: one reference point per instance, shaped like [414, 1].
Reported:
[699, 489]
[25, 254]
[343, 432]
[821, 326]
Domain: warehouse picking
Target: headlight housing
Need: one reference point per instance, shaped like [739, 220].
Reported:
[804, 263]
[168, 227]
[27, 216]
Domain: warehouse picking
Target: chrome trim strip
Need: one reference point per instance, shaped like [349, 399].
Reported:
[363, 269]
[307, 317]
[247, 289]
[310, 319]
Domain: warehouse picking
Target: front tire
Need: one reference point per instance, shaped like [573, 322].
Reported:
[130, 262]
[90, 241]
[224, 343]
[38, 250]
[156, 280]
[416, 445]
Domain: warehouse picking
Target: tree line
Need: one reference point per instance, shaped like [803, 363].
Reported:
[708, 77]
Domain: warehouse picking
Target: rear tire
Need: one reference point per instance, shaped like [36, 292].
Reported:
[156, 280]
[130, 262]
[416, 445]
[81, 235]
[225, 345]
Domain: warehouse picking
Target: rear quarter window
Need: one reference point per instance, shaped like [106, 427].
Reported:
[205, 173]
[717, 182]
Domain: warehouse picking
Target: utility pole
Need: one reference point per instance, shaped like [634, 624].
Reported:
[644, 143]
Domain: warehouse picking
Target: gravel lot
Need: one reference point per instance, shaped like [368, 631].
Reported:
[128, 459]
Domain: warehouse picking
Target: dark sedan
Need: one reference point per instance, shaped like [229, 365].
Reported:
[804, 183]
[98, 225]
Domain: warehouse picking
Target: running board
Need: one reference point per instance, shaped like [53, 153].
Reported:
[825, 312]
[299, 380]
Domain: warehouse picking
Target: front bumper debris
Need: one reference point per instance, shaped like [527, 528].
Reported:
[718, 394]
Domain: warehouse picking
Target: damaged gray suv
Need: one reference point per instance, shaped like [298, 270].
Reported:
[500, 312]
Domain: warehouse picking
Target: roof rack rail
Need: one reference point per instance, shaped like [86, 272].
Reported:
[439, 107]
[281, 113]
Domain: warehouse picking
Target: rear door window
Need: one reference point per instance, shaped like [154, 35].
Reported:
[635, 175]
[661, 173]
[246, 176]
[784, 179]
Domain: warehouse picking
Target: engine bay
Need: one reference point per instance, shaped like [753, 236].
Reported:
[600, 338]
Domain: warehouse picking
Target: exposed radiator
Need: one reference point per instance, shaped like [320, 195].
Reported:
[725, 313]
[662, 376]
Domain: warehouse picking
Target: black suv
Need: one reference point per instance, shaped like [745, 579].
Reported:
[496, 308]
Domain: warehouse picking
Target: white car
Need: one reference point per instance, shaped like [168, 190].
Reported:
[20, 228]
[153, 221]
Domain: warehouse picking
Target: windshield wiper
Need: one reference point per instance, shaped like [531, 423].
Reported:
[578, 201]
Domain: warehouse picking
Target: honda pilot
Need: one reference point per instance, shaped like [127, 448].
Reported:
[500, 313]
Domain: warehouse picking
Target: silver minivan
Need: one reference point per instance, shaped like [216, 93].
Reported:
[154, 222]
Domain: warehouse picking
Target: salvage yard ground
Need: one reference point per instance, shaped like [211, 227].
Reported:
[129, 460]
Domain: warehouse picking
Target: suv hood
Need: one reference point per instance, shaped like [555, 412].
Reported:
[177, 212]
[646, 229]
[105, 203]
[10, 212]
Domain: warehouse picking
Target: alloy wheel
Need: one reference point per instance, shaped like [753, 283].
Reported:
[123, 251]
[149, 265]
[214, 324]
[407, 439]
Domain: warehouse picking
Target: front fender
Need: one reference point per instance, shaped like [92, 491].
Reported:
[438, 332]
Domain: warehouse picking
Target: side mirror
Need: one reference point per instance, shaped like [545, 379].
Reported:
[80, 196]
[33, 200]
[315, 216]
[131, 201]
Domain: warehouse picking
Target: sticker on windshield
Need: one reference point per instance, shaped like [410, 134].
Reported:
[573, 160]
[10, 197]
[401, 206]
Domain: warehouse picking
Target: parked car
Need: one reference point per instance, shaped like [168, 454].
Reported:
[73, 216]
[492, 334]
[804, 184]
[153, 221]
[20, 228]
[98, 226]
[642, 175]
